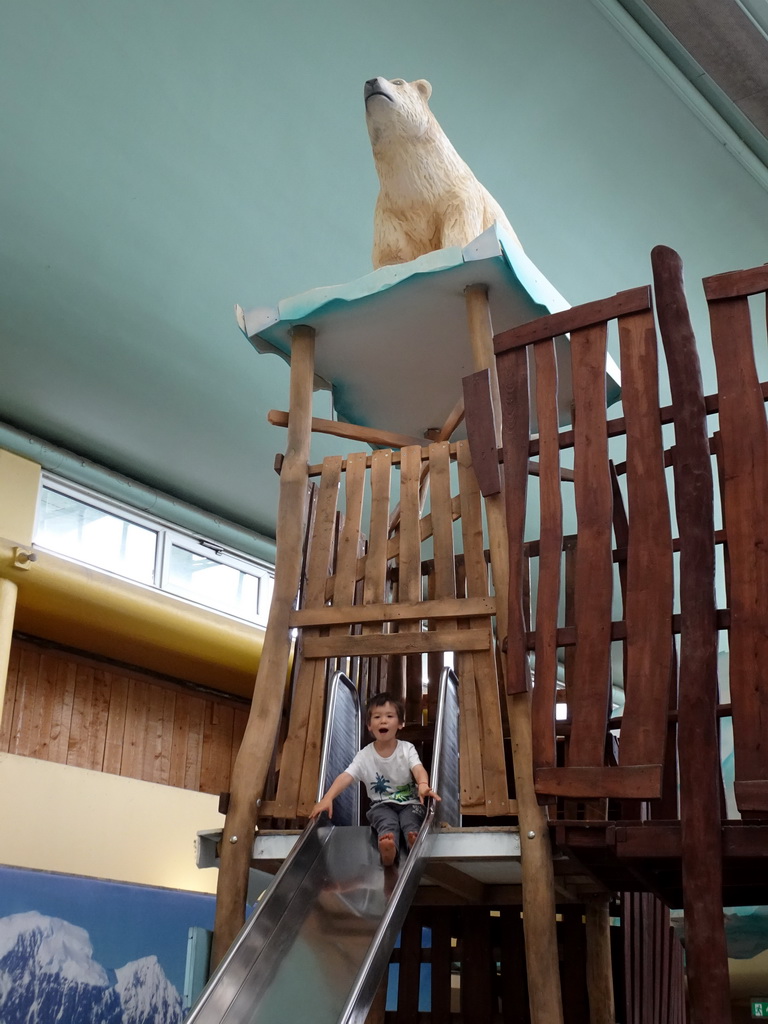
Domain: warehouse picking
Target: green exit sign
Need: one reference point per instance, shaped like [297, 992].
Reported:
[759, 1009]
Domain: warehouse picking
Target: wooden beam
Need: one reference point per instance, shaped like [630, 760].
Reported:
[375, 644]
[366, 435]
[633, 782]
[634, 300]
[444, 608]
[455, 881]
[251, 766]
[542, 962]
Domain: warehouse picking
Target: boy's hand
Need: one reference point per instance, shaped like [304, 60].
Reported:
[322, 805]
[426, 790]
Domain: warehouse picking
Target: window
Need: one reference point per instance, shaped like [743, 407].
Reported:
[96, 531]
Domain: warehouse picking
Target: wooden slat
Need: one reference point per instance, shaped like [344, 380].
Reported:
[374, 588]
[550, 559]
[116, 725]
[78, 753]
[513, 388]
[44, 703]
[484, 662]
[187, 744]
[366, 435]
[590, 698]
[9, 701]
[397, 643]
[736, 283]
[217, 745]
[61, 718]
[409, 530]
[649, 599]
[134, 737]
[639, 782]
[441, 960]
[590, 314]
[481, 430]
[744, 441]
[23, 727]
[699, 760]
[444, 608]
[159, 738]
[318, 570]
[99, 716]
[344, 593]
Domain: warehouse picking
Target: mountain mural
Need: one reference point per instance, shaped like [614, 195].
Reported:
[48, 975]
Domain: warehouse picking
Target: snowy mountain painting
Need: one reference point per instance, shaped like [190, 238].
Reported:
[47, 974]
[94, 952]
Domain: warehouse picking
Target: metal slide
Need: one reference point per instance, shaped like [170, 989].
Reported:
[319, 942]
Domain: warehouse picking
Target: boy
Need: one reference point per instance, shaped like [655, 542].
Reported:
[394, 777]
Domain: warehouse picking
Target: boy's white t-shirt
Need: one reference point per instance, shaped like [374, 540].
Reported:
[387, 779]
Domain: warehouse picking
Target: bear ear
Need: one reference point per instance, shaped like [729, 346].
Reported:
[424, 88]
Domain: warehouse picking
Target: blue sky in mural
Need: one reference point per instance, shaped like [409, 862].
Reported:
[124, 922]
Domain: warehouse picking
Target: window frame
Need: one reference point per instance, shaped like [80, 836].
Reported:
[168, 535]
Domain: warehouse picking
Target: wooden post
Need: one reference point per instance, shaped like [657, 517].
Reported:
[8, 592]
[252, 763]
[539, 921]
[706, 951]
[599, 968]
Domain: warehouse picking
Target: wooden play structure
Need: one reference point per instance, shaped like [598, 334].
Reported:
[566, 560]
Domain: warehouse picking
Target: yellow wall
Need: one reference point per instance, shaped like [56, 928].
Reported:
[19, 490]
[57, 818]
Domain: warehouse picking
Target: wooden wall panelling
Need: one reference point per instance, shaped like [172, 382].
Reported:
[75, 710]
[550, 558]
[744, 445]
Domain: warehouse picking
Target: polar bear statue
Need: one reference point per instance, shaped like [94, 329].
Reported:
[429, 198]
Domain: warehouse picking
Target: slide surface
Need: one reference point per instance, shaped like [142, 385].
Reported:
[319, 942]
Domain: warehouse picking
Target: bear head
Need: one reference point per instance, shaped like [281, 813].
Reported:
[396, 108]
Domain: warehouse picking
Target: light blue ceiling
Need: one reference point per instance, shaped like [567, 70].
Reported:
[161, 162]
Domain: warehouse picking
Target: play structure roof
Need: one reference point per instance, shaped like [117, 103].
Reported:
[393, 345]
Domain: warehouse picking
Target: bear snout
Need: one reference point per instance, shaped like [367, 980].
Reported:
[376, 87]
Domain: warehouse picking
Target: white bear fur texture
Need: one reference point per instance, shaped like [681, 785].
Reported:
[429, 198]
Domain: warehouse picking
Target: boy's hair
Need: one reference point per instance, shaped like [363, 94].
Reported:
[379, 700]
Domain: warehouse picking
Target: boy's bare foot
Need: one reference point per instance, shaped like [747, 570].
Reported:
[412, 837]
[387, 849]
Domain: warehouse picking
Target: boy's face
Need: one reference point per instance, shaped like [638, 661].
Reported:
[384, 723]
